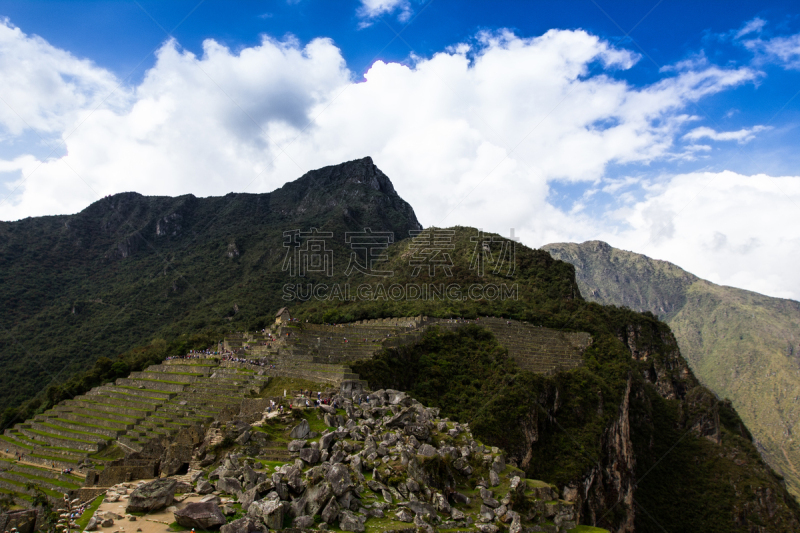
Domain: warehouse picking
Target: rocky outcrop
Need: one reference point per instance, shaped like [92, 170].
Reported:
[200, 515]
[152, 496]
[418, 465]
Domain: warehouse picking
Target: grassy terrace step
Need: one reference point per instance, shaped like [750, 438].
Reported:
[47, 428]
[11, 464]
[40, 481]
[130, 443]
[6, 442]
[172, 377]
[53, 439]
[109, 397]
[21, 487]
[78, 427]
[148, 394]
[105, 406]
[92, 419]
[152, 385]
[15, 434]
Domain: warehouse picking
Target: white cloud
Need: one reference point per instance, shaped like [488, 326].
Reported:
[729, 228]
[371, 9]
[751, 26]
[781, 50]
[46, 88]
[742, 136]
[473, 135]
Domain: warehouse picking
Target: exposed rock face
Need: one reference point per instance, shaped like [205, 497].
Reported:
[200, 515]
[244, 525]
[152, 496]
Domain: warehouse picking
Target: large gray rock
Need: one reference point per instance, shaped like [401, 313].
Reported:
[301, 430]
[296, 445]
[419, 431]
[339, 478]
[229, 485]
[92, 524]
[426, 450]
[349, 521]
[204, 487]
[152, 496]
[310, 455]
[331, 511]
[294, 479]
[406, 416]
[268, 510]
[303, 522]
[245, 524]
[200, 515]
[318, 495]
[326, 441]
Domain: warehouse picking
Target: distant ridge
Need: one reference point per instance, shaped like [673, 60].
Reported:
[742, 345]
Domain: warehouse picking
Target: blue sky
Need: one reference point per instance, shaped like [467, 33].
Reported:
[667, 128]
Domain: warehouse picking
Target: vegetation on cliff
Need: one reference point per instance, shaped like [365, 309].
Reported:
[742, 345]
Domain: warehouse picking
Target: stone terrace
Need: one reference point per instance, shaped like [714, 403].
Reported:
[321, 352]
[155, 403]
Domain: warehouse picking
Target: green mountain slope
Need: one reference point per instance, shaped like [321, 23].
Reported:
[631, 434]
[131, 268]
[742, 345]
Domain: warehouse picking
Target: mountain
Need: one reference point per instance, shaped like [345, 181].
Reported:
[742, 345]
[131, 268]
[630, 435]
[627, 434]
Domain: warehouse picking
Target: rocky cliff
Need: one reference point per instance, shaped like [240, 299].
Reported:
[740, 344]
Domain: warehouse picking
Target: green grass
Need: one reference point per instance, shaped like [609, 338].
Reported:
[62, 428]
[15, 443]
[56, 482]
[22, 486]
[83, 521]
[587, 529]
[51, 435]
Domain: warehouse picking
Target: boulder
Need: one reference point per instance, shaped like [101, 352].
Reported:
[404, 515]
[243, 438]
[297, 445]
[310, 455]
[211, 498]
[204, 487]
[92, 524]
[419, 431]
[487, 528]
[301, 430]
[229, 485]
[318, 496]
[326, 441]
[339, 478]
[200, 515]
[244, 525]
[268, 510]
[426, 450]
[152, 496]
[406, 416]
[331, 511]
[349, 521]
[303, 522]
[494, 479]
[108, 522]
[294, 479]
